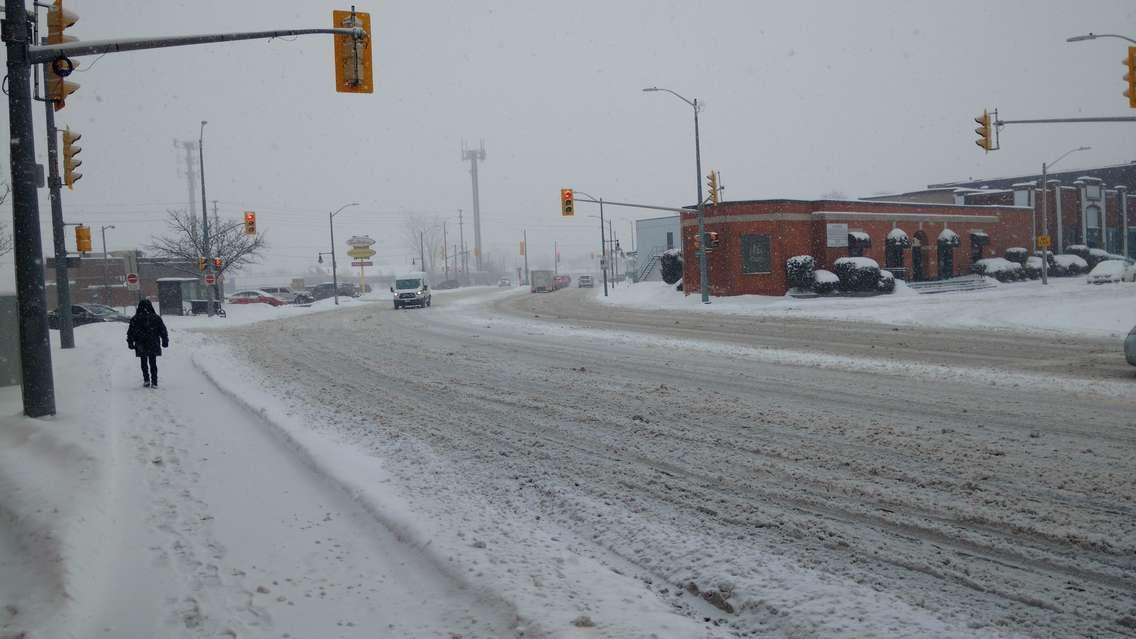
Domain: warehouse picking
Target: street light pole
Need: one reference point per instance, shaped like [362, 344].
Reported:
[205, 215]
[331, 229]
[106, 265]
[704, 280]
[1094, 36]
[1045, 209]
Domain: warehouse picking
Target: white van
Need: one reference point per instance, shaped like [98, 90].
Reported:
[410, 289]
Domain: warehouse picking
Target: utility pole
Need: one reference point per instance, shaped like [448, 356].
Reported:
[525, 235]
[421, 252]
[611, 252]
[218, 288]
[62, 277]
[464, 260]
[205, 215]
[106, 267]
[474, 156]
[555, 258]
[445, 257]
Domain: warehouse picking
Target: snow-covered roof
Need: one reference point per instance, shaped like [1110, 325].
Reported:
[1024, 185]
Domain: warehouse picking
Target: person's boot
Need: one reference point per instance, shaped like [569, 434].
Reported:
[145, 382]
[154, 383]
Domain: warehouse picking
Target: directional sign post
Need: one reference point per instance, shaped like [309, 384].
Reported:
[361, 254]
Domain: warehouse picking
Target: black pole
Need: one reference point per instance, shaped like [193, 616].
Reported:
[334, 277]
[37, 383]
[205, 216]
[603, 248]
[62, 278]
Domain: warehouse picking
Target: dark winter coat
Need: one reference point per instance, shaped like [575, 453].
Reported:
[147, 333]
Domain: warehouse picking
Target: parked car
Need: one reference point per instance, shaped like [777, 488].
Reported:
[448, 284]
[410, 289]
[585, 281]
[255, 297]
[283, 292]
[303, 299]
[1130, 347]
[87, 314]
[504, 282]
[1111, 271]
[327, 289]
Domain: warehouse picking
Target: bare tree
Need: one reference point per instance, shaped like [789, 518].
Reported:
[422, 234]
[227, 241]
[5, 236]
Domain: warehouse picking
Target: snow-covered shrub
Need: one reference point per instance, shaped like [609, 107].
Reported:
[670, 266]
[801, 271]
[826, 282]
[1017, 254]
[999, 268]
[857, 273]
[886, 283]
[1096, 256]
[1033, 267]
[1080, 250]
[1068, 265]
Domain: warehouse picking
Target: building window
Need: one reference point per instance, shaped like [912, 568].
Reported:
[756, 255]
[1021, 198]
[670, 240]
[1093, 226]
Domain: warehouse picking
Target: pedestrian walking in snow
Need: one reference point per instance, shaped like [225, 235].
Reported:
[147, 337]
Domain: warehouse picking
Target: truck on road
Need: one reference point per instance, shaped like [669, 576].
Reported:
[541, 282]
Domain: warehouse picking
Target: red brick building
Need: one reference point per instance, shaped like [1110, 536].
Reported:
[917, 241]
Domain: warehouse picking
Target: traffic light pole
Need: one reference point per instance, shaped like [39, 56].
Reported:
[62, 278]
[37, 384]
[205, 219]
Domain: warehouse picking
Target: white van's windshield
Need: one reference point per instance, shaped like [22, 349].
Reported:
[410, 283]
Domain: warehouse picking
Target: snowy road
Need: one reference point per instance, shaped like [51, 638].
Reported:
[817, 481]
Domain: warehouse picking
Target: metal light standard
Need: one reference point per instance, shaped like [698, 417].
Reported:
[205, 216]
[106, 263]
[331, 227]
[1094, 36]
[1045, 210]
[603, 239]
[704, 280]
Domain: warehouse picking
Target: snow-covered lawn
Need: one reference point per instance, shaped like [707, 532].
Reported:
[1065, 305]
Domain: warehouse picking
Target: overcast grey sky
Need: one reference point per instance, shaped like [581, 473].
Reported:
[801, 98]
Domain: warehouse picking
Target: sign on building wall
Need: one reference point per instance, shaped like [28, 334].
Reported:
[837, 235]
[756, 254]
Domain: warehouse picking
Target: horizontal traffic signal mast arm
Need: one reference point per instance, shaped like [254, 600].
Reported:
[638, 206]
[1122, 118]
[49, 52]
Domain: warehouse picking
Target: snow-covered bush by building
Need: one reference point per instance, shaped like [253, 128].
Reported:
[1017, 254]
[1068, 265]
[801, 271]
[857, 274]
[886, 283]
[670, 266]
[826, 282]
[1033, 266]
[1000, 268]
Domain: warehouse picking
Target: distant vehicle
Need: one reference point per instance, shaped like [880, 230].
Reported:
[255, 297]
[327, 289]
[1130, 347]
[541, 282]
[504, 282]
[1111, 271]
[584, 281]
[87, 314]
[303, 299]
[561, 281]
[448, 284]
[283, 292]
[411, 289]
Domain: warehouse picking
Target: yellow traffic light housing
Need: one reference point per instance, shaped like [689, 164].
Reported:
[250, 223]
[70, 177]
[712, 239]
[712, 184]
[353, 72]
[985, 132]
[83, 239]
[567, 203]
[1130, 77]
[56, 87]
[201, 262]
[58, 21]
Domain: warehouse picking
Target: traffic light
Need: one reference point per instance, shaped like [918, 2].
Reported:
[70, 177]
[712, 239]
[201, 263]
[56, 87]
[250, 223]
[985, 133]
[217, 262]
[1130, 77]
[83, 239]
[712, 184]
[353, 73]
[567, 202]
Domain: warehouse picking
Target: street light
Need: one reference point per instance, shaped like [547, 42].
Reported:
[1094, 36]
[1045, 209]
[331, 226]
[603, 239]
[205, 217]
[704, 280]
[106, 275]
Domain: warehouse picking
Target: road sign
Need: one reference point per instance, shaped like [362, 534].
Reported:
[210, 279]
[360, 240]
[1044, 241]
[363, 263]
[361, 252]
[132, 280]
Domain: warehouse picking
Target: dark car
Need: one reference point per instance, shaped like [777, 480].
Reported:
[327, 289]
[302, 299]
[88, 314]
[448, 284]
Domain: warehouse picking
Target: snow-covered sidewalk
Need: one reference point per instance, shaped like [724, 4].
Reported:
[1066, 305]
[178, 512]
